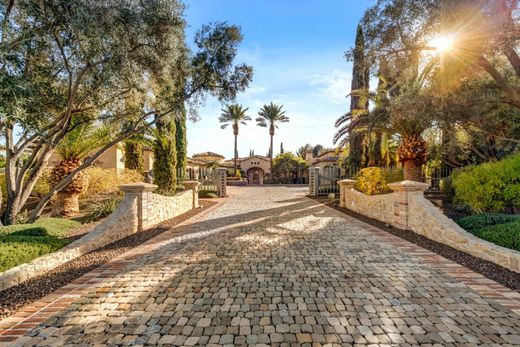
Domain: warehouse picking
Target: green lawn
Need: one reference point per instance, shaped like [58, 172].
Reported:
[500, 229]
[22, 243]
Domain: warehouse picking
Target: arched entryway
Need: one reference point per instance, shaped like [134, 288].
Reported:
[255, 175]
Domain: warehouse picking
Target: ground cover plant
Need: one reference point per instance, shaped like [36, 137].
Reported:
[22, 243]
[500, 229]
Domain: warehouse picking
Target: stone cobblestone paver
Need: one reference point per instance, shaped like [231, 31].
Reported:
[271, 267]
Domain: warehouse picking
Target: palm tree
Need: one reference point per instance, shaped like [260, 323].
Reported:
[76, 145]
[270, 115]
[407, 114]
[235, 115]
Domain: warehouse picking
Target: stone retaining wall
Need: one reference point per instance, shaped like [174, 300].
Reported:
[140, 209]
[407, 208]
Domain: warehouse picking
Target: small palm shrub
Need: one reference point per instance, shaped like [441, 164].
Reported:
[372, 181]
[489, 187]
[102, 209]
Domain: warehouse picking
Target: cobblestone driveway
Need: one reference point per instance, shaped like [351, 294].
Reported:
[275, 268]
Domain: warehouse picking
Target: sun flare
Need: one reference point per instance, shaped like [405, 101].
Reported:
[442, 43]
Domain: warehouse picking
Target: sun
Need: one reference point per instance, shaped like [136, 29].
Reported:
[442, 44]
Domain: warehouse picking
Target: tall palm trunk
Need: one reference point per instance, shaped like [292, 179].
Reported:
[412, 153]
[67, 203]
[271, 133]
[412, 171]
[235, 132]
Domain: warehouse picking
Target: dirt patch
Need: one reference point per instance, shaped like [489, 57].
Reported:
[497, 273]
[12, 299]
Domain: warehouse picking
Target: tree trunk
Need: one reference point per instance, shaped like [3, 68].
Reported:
[514, 97]
[271, 158]
[235, 157]
[377, 158]
[66, 205]
[412, 171]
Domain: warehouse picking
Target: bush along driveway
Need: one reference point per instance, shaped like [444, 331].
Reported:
[500, 229]
[22, 243]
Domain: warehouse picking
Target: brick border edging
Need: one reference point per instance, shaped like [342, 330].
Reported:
[32, 315]
[484, 286]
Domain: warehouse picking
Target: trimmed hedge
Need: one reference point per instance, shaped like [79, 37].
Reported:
[505, 235]
[489, 187]
[500, 229]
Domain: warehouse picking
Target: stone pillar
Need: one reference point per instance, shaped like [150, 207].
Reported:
[344, 186]
[402, 192]
[142, 192]
[194, 186]
[221, 182]
[314, 181]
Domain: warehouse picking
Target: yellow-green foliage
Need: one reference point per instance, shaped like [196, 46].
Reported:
[107, 181]
[41, 187]
[489, 187]
[372, 181]
[100, 181]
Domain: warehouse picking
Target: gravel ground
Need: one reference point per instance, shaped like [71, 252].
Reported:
[14, 298]
[497, 273]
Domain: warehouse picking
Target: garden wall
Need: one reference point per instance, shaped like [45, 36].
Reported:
[407, 208]
[140, 209]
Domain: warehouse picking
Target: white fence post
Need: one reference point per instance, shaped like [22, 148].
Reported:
[314, 181]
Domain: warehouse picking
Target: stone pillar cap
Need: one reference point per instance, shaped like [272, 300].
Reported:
[191, 184]
[409, 186]
[347, 182]
[138, 187]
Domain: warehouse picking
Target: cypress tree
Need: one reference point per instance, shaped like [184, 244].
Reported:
[165, 154]
[134, 155]
[180, 136]
[360, 81]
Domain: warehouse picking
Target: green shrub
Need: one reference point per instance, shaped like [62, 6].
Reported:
[393, 175]
[102, 209]
[489, 187]
[477, 222]
[505, 235]
[372, 181]
[22, 243]
[446, 186]
[19, 249]
[207, 194]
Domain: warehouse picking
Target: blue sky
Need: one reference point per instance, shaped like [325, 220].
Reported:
[296, 48]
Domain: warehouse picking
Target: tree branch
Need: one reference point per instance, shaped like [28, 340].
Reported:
[500, 80]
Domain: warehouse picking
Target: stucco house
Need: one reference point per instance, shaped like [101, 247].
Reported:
[209, 157]
[256, 167]
[326, 160]
[113, 158]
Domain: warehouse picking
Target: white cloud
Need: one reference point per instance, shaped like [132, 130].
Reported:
[334, 86]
